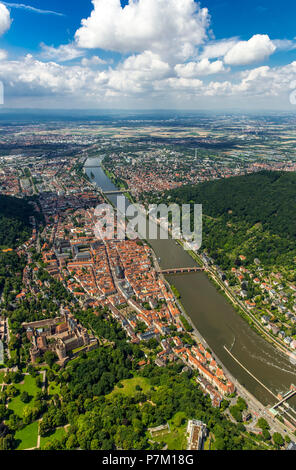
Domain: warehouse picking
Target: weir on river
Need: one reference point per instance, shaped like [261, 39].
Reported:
[266, 371]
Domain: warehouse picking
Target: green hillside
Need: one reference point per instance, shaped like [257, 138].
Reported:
[253, 215]
[15, 227]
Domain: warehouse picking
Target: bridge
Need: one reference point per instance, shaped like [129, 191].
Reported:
[286, 397]
[283, 408]
[119, 191]
[193, 269]
[112, 191]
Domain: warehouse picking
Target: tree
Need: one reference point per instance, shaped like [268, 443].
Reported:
[32, 371]
[50, 357]
[7, 442]
[236, 413]
[4, 430]
[45, 427]
[3, 412]
[224, 405]
[72, 442]
[12, 391]
[266, 435]
[262, 424]
[53, 444]
[50, 375]
[219, 443]
[241, 404]
[95, 445]
[25, 397]
[38, 381]
[278, 439]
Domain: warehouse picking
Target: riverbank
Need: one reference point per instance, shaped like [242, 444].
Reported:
[188, 323]
[245, 314]
[120, 185]
[259, 409]
[241, 310]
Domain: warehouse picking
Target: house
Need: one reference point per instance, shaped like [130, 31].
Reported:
[291, 446]
[196, 431]
[274, 329]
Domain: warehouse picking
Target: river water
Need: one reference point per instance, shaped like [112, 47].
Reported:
[216, 319]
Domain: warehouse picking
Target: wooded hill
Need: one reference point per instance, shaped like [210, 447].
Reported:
[15, 227]
[253, 215]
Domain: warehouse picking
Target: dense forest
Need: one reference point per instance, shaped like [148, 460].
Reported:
[100, 420]
[15, 226]
[253, 215]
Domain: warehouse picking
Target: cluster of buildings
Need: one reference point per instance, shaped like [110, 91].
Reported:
[121, 275]
[211, 376]
[62, 335]
[273, 302]
[196, 432]
[52, 176]
[9, 182]
[118, 274]
[163, 169]
[277, 312]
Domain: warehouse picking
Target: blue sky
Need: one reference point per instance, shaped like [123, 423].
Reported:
[148, 53]
[229, 18]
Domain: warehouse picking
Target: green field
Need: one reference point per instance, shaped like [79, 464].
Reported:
[29, 386]
[129, 386]
[27, 437]
[175, 437]
[57, 434]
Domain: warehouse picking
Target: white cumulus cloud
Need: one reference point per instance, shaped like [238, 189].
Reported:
[203, 67]
[218, 89]
[217, 49]
[63, 53]
[191, 84]
[31, 76]
[3, 54]
[93, 61]
[137, 73]
[146, 63]
[144, 78]
[172, 27]
[258, 48]
[5, 20]
[284, 44]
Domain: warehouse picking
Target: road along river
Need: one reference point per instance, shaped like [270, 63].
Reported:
[215, 318]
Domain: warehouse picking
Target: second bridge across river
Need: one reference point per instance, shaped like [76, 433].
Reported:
[193, 269]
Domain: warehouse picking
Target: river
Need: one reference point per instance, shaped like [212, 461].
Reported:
[216, 320]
